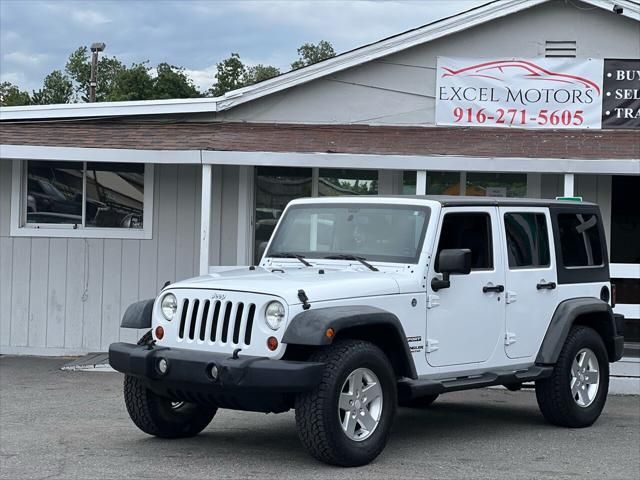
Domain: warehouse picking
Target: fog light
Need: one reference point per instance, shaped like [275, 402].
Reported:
[159, 333]
[214, 372]
[163, 366]
[272, 343]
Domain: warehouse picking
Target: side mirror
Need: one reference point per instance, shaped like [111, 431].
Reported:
[262, 246]
[449, 262]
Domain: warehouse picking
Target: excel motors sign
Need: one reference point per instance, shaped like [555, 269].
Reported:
[519, 93]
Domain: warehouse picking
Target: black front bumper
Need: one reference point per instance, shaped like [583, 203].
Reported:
[243, 383]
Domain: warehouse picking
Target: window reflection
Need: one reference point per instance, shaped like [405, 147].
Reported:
[335, 182]
[497, 184]
[54, 192]
[115, 195]
[275, 187]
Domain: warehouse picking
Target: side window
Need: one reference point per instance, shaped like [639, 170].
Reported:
[468, 230]
[527, 240]
[580, 240]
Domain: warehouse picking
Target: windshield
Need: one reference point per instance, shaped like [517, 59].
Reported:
[375, 232]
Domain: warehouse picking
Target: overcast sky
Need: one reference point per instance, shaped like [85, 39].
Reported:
[37, 36]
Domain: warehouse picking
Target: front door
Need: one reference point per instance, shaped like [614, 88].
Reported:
[531, 278]
[465, 322]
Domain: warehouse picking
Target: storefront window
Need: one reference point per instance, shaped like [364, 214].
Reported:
[625, 220]
[496, 184]
[275, 188]
[93, 195]
[443, 183]
[336, 182]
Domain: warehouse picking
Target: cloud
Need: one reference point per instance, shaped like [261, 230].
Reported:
[89, 18]
[38, 36]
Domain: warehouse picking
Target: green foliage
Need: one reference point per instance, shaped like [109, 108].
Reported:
[308, 54]
[233, 74]
[260, 73]
[57, 88]
[172, 82]
[78, 67]
[12, 96]
[134, 83]
[230, 75]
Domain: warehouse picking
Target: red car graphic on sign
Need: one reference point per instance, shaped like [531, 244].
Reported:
[501, 70]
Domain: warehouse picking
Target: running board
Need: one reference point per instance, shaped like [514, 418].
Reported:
[409, 389]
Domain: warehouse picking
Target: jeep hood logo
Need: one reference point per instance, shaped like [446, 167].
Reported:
[218, 296]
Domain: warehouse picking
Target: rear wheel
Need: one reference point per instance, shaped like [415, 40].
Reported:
[346, 420]
[576, 392]
[162, 417]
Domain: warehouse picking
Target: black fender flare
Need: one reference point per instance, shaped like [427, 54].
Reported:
[138, 315]
[310, 328]
[595, 313]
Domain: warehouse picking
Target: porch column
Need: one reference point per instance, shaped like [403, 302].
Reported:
[568, 184]
[421, 182]
[205, 218]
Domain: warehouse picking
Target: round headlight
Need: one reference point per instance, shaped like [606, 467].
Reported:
[274, 314]
[169, 305]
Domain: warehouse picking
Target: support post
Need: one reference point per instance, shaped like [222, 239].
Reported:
[421, 182]
[568, 185]
[205, 219]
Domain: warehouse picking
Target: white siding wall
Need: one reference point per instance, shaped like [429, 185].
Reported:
[400, 89]
[62, 295]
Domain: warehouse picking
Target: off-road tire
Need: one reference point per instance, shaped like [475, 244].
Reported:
[554, 393]
[156, 416]
[317, 418]
[421, 402]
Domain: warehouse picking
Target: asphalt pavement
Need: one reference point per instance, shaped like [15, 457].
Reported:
[73, 425]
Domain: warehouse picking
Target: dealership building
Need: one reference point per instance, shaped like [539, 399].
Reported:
[102, 204]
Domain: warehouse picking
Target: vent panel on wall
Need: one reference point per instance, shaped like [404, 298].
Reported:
[560, 49]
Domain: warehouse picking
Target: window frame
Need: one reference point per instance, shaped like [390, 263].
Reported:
[506, 239]
[20, 227]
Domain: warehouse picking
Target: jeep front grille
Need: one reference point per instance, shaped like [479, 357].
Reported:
[216, 321]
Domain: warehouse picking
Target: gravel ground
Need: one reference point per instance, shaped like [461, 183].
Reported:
[74, 425]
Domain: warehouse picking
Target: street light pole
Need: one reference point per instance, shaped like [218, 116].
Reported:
[95, 49]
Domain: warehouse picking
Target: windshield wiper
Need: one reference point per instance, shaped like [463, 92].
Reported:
[290, 255]
[362, 260]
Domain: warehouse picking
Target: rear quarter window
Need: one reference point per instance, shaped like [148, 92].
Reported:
[580, 243]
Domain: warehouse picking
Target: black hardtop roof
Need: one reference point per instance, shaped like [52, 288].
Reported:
[459, 201]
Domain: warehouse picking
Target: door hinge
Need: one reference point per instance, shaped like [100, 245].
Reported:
[509, 338]
[432, 345]
[511, 297]
[433, 301]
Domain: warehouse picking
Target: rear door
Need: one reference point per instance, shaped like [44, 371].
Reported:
[531, 278]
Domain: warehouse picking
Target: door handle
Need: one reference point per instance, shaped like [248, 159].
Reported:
[493, 288]
[546, 286]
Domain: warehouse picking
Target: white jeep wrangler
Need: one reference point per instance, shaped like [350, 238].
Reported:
[361, 304]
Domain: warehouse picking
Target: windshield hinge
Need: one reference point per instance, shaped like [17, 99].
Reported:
[304, 299]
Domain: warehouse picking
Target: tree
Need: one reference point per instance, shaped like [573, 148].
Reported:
[233, 74]
[78, 67]
[134, 83]
[12, 96]
[56, 88]
[260, 73]
[172, 82]
[308, 54]
[230, 75]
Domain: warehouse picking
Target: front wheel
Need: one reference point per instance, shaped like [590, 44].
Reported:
[162, 417]
[347, 418]
[576, 392]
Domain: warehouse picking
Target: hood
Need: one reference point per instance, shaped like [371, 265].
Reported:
[332, 284]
